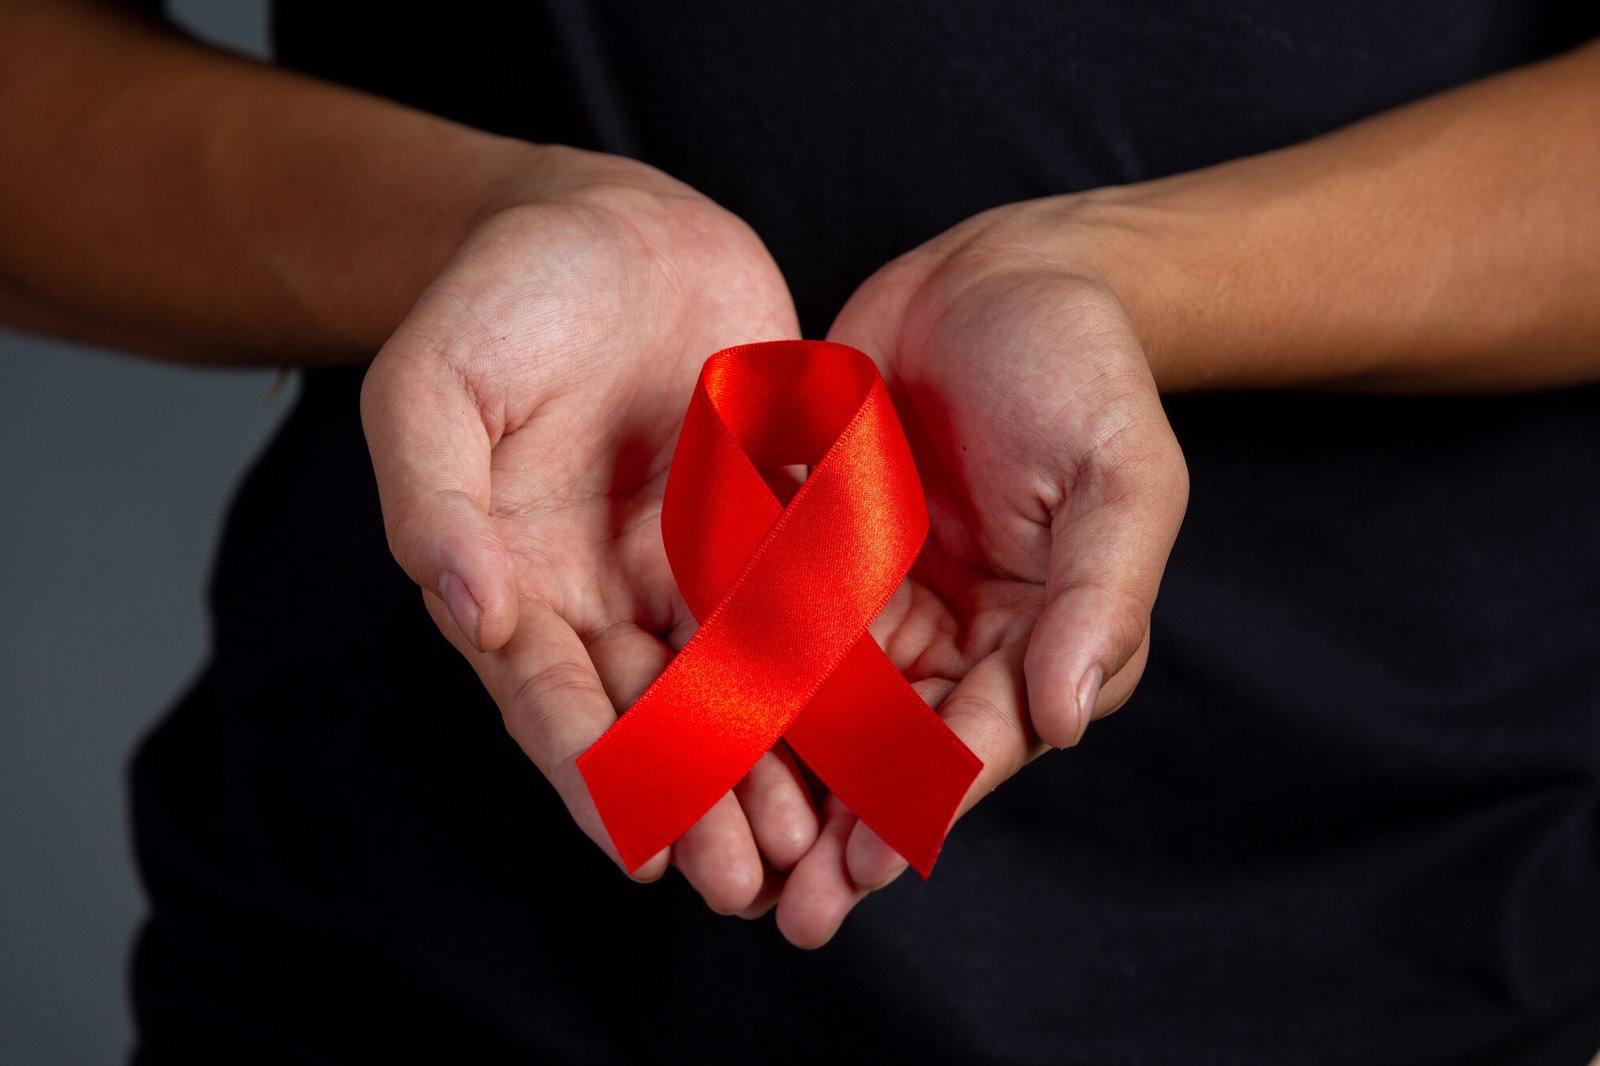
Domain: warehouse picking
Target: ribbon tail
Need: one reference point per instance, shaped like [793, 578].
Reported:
[884, 752]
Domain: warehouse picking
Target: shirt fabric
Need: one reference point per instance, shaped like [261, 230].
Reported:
[1351, 815]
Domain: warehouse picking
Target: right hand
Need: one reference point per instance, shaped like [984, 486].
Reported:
[521, 421]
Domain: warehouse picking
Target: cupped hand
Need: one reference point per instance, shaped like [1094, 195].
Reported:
[521, 421]
[1055, 489]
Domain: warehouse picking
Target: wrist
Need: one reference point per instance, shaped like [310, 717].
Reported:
[492, 183]
[1127, 241]
[465, 179]
[1113, 240]
[460, 182]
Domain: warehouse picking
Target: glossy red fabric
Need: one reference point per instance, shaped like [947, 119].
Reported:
[784, 594]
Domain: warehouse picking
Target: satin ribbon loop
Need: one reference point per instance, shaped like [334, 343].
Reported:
[784, 594]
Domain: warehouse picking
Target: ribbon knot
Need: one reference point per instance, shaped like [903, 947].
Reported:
[784, 593]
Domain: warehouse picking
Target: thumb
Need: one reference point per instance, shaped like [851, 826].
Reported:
[1109, 543]
[430, 447]
[870, 320]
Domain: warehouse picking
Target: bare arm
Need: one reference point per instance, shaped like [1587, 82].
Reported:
[1450, 245]
[166, 197]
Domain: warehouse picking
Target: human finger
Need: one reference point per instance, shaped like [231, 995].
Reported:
[1109, 542]
[988, 710]
[720, 855]
[819, 894]
[554, 706]
[775, 800]
[430, 451]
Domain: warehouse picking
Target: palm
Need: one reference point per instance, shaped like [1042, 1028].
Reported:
[1012, 450]
[578, 471]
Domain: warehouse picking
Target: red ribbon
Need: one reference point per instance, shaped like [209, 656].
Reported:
[784, 594]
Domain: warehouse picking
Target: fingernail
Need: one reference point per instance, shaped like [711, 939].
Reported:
[463, 608]
[1088, 692]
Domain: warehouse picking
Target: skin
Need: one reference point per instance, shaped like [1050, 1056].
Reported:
[541, 313]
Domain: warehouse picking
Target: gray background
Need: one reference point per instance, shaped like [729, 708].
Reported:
[114, 473]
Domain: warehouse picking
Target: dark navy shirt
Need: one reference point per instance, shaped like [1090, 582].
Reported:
[1352, 814]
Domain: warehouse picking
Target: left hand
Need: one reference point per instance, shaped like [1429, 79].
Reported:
[1055, 489]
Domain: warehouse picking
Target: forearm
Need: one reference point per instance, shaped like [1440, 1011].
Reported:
[171, 199]
[1450, 245]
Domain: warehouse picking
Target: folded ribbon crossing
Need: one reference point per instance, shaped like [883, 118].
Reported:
[784, 594]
